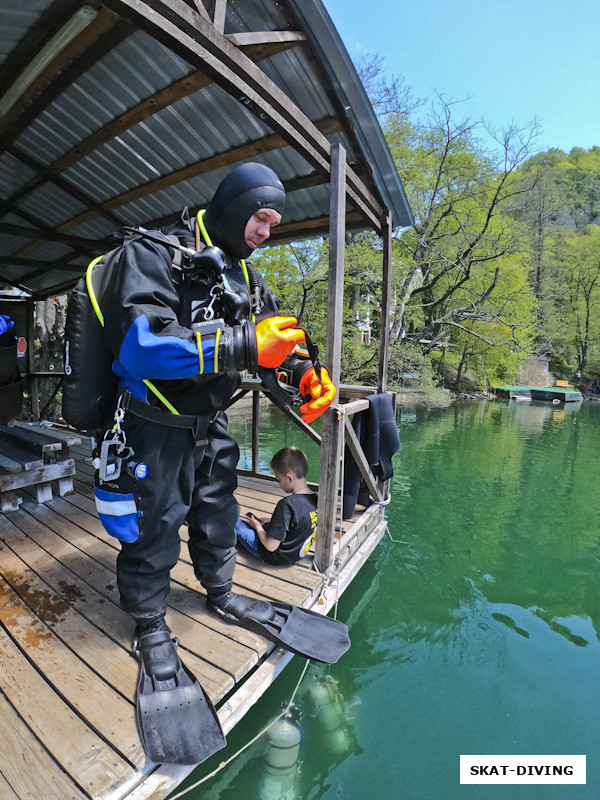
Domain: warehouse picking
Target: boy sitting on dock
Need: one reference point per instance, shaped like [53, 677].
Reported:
[288, 534]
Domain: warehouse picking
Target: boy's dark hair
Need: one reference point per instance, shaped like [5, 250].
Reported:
[290, 459]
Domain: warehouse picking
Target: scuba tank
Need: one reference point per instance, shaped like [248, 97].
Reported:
[281, 754]
[90, 385]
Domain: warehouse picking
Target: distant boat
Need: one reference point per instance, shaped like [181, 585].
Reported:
[564, 394]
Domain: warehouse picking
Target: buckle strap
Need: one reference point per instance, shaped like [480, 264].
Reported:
[163, 417]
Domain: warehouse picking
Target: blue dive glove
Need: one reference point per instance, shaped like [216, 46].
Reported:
[6, 323]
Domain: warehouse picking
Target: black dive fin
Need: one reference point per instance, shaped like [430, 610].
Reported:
[176, 720]
[298, 630]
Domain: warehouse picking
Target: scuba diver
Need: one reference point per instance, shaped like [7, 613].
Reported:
[181, 315]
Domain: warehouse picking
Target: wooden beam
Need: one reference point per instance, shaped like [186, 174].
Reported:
[65, 78]
[33, 381]
[183, 30]
[319, 226]
[202, 11]
[40, 266]
[150, 106]
[53, 18]
[331, 434]
[306, 181]
[255, 38]
[219, 15]
[67, 187]
[233, 156]
[52, 236]
[255, 431]
[74, 57]
[335, 291]
[56, 289]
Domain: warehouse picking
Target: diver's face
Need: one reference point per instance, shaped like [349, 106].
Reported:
[258, 227]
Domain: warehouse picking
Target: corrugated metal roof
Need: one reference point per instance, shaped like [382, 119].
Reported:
[128, 130]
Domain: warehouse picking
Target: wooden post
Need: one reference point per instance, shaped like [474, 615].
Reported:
[332, 430]
[255, 419]
[386, 293]
[384, 337]
[31, 366]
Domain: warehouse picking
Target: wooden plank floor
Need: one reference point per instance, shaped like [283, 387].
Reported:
[67, 673]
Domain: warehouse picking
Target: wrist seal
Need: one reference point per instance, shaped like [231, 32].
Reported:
[236, 345]
[244, 348]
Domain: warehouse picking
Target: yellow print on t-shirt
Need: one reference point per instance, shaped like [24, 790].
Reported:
[313, 532]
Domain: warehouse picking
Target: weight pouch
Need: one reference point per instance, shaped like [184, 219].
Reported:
[118, 514]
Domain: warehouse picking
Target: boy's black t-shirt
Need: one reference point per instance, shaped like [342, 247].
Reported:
[293, 523]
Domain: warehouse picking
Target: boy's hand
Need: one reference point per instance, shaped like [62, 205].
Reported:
[322, 392]
[252, 521]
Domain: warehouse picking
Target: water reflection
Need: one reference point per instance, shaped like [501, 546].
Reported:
[514, 514]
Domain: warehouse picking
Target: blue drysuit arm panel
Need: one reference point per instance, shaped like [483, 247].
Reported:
[143, 354]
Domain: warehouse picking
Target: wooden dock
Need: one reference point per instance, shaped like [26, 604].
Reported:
[67, 672]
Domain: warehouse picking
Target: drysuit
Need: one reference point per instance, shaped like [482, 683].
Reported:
[160, 322]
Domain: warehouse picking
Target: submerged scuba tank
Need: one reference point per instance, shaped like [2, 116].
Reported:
[90, 385]
[331, 713]
[281, 754]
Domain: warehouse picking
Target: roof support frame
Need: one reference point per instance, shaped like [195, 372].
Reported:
[228, 61]
[183, 30]
[219, 15]
[261, 47]
[386, 298]
[272, 142]
[48, 23]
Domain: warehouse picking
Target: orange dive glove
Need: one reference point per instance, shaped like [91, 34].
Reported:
[322, 393]
[276, 337]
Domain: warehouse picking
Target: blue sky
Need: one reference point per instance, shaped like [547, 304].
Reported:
[513, 59]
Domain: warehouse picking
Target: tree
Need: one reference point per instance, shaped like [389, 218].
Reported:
[539, 217]
[563, 203]
[578, 178]
[463, 248]
[577, 298]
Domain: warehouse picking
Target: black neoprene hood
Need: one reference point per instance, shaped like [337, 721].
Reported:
[240, 195]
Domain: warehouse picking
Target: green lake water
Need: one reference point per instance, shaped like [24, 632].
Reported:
[475, 632]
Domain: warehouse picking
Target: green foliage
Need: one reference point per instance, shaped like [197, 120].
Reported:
[564, 253]
[573, 318]
[410, 369]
